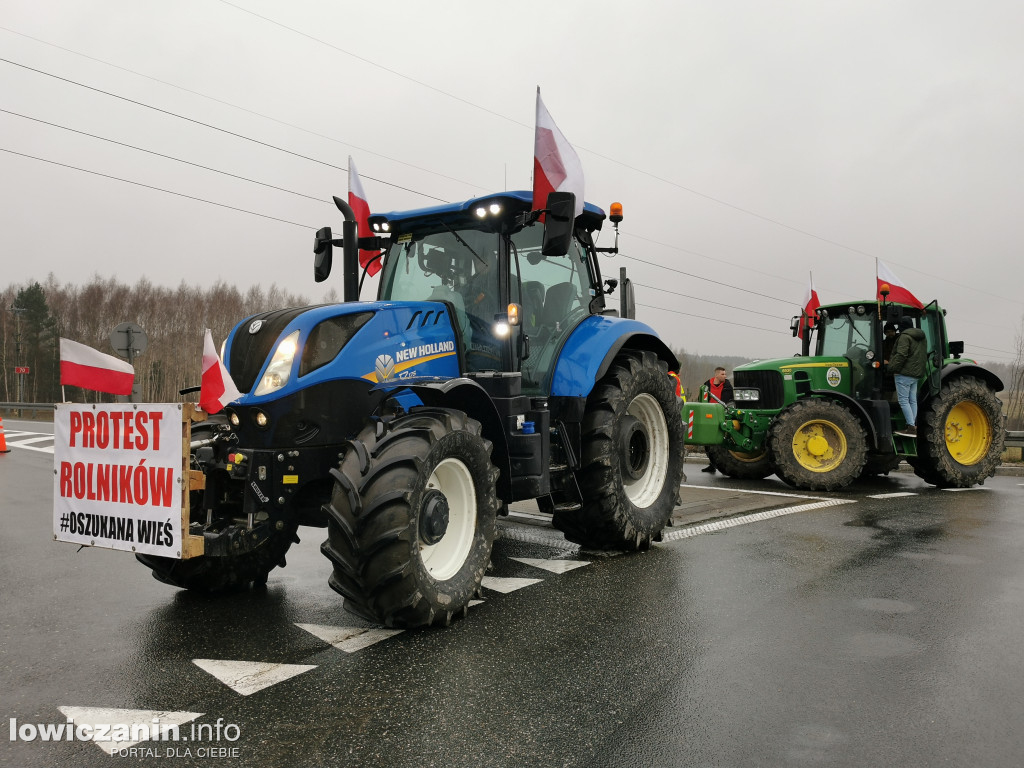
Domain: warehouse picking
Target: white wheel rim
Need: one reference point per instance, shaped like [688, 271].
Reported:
[444, 559]
[644, 490]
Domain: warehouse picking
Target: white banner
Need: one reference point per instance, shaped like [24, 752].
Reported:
[117, 476]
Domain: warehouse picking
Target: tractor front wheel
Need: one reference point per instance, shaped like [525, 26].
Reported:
[818, 445]
[960, 435]
[752, 465]
[411, 519]
[632, 460]
[207, 573]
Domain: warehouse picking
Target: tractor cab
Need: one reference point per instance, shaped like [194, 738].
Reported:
[857, 332]
[515, 297]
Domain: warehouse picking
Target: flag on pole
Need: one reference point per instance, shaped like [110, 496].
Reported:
[811, 303]
[361, 208]
[82, 366]
[217, 388]
[556, 166]
[898, 293]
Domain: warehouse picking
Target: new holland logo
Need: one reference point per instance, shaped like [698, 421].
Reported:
[385, 367]
[255, 327]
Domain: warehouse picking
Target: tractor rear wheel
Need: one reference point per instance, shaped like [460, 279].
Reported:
[960, 435]
[818, 445]
[411, 520]
[752, 465]
[632, 457]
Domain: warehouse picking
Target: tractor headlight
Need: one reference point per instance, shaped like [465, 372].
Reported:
[746, 395]
[280, 367]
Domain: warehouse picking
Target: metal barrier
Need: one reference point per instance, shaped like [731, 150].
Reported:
[19, 410]
[1014, 439]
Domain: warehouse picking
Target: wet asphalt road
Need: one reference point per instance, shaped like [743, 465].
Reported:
[878, 632]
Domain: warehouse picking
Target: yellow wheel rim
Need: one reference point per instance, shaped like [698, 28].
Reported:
[819, 446]
[968, 433]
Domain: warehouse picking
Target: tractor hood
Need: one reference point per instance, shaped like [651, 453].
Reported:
[279, 353]
[772, 379]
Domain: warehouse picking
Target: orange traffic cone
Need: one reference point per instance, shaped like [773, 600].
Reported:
[3, 440]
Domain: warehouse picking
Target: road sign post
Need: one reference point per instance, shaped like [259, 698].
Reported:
[129, 341]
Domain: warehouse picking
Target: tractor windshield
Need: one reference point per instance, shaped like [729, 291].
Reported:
[850, 335]
[459, 267]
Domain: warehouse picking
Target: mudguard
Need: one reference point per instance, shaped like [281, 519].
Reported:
[590, 348]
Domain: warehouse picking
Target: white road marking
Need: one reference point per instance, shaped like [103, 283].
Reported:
[350, 639]
[505, 585]
[747, 490]
[890, 495]
[14, 440]
[35, 440]
[957, 490]
[554, 566]
[731, 522]
[246, 677]
[93, 716]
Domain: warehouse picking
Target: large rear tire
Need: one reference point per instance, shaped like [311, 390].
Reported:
[753, 465]
[632, 457]
[411, 521]
[960, 435]
[818, 445]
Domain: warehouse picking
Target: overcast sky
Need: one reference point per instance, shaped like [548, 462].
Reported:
[750, 143]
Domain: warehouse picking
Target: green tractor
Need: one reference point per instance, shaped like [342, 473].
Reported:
[824, 419]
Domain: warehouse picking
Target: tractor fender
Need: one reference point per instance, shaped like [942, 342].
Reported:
[859, 411]
[469, 397]
[589, 350]
[954, 370]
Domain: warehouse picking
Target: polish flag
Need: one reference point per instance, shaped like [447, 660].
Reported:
[811, 304]
[82, 366]
[361, 208]
[218, 388]
[556, 166]
[897, 292]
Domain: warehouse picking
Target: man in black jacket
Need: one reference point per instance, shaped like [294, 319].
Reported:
[909, 363]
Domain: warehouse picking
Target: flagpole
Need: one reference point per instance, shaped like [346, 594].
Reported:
[876, 289]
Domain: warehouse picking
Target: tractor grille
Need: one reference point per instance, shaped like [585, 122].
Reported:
[768, 382]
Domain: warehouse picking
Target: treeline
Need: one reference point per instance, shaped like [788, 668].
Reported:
[37, 315]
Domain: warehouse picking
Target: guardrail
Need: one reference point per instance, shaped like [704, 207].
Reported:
[27, 406]
[1014, 439]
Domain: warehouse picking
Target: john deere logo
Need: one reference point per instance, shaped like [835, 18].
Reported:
[255, 326]
[833, 377]
[385, 367]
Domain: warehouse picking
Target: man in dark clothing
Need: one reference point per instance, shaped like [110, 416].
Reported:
[908, 364]
[717, 389]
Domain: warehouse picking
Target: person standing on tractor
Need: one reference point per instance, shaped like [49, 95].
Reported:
[717, 389]
[908, 365]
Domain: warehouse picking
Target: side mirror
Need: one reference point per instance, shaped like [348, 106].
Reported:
[323, 250]
[559, 222]
[794, 325]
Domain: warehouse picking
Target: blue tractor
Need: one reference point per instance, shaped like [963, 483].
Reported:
[490, 369]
